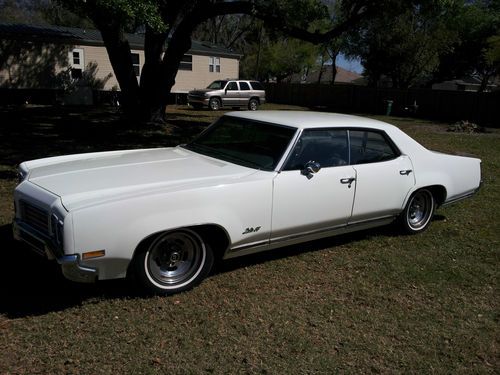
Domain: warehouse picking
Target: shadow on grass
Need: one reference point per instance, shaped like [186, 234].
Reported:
[32, 285]
[35, 132]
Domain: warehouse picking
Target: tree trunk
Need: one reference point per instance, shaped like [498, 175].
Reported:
[334, 73]
[320, 73]
[151, 87]
[120, 57]
[484, 82]
[334, 52]
[160, 77]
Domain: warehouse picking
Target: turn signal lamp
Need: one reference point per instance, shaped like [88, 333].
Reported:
[93, 254]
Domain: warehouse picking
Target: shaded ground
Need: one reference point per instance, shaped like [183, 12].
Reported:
[374, 301]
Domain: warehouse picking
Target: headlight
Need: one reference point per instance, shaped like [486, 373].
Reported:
[57, 228]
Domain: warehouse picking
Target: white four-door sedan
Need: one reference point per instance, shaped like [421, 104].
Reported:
[252, 181]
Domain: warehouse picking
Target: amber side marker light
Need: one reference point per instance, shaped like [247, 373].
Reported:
[93, 254]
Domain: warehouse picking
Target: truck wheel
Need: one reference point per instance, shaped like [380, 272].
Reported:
[174, 262]
[253, 104]
[418, 212]
[214, 104]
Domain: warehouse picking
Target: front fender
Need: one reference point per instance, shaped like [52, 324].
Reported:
[119, 227]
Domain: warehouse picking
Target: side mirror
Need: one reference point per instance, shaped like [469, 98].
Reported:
[311, 168]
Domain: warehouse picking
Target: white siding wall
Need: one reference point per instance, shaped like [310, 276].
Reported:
[200, 77]
[99, 55]
[185, 80]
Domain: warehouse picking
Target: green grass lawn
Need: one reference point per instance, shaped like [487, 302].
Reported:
[374, 301]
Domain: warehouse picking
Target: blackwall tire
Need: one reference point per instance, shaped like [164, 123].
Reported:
[253, 104]
[214, 104]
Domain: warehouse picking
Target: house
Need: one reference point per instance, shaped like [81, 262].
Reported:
[465, 84]
[34, 56]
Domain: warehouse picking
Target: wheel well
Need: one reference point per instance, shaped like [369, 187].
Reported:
[213, 234]
[438, 192]
[216, 97]
[256, 98]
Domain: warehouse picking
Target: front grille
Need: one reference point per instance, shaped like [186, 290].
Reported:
[36, 217]
[35, 243]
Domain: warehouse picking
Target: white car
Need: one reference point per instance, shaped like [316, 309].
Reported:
[252, 181]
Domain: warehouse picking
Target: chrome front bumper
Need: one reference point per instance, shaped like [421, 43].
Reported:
[43, 245]
[198, 99]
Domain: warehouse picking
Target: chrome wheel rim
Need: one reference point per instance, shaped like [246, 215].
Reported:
[420, 209]
[253, 105]
[175, 259]
[214, 104]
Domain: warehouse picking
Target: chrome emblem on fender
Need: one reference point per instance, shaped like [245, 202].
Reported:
[251, 230]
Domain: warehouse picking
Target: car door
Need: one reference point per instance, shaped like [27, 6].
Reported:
[231, 94]
[384, 176]
[307, 201]
[245, 93]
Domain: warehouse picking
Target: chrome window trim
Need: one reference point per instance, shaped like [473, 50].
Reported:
[288, 151]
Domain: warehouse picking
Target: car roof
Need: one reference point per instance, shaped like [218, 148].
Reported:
[311, 119]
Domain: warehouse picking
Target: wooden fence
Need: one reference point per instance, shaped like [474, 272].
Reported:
[482, 108]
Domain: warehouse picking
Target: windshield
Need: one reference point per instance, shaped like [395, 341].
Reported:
[244, 142]
[217, 85]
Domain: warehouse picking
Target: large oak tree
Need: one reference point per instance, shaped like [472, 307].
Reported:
[169, 25]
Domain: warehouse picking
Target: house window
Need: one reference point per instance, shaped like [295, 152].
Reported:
[214, 64]
[76, 62]
[136, 64]
[186, 63]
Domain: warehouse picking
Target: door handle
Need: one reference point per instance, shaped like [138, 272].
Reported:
[405, 172]
[348, 180]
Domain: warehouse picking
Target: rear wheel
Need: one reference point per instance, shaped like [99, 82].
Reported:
[174, 262]
[253, 104]
[418, 212]
[214, 104]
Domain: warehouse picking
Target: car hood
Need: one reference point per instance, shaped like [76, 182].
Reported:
[200, 91]
[85, 179]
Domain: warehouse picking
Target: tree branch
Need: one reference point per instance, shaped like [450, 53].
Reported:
[357, 13]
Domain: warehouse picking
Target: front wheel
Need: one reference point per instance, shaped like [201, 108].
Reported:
[214, 104]
[418, 212]
[174, 262]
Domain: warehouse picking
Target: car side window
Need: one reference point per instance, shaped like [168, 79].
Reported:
[370, 147]
[232, 86]
[244, 86]
[327, 147]
[257, 85]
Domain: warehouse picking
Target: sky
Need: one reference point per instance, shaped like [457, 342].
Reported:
[352, 65]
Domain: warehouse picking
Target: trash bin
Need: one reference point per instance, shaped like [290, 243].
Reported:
[389, 107]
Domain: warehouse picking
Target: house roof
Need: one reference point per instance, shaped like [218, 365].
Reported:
[343, 76]
[92, 37]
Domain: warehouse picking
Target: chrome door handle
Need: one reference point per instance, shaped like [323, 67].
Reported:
[405, 172]
[348, 180]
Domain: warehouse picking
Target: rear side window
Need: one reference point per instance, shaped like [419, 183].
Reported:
[370, 147]
[257, 85]
[244, 86]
